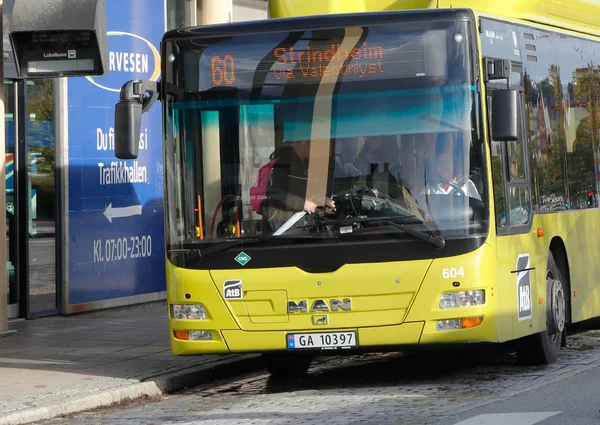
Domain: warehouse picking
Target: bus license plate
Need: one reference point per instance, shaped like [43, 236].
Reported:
[326, 340]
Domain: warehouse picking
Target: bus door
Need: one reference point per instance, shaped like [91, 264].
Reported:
[518, 248]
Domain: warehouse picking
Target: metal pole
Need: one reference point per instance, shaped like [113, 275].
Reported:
[61, 137]
[191, 12]
[3, 280]
[215, 11]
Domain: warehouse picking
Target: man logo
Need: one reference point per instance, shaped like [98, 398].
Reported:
[232, 290]
[319, 320]
[335, 304]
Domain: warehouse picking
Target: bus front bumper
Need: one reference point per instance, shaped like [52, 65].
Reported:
[235, 340]
[406, 334]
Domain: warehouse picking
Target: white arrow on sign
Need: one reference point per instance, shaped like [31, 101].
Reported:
[111, 212]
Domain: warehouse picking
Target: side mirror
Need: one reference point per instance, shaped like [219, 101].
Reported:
[128, 121]
[128, 116]
[505, 121]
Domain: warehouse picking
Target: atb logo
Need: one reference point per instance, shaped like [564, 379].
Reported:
[524, 287]
[232, 290]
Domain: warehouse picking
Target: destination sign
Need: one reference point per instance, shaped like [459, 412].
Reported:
[374, 53]
[293, 64]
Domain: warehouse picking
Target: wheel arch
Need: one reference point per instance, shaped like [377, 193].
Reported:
[559, 252]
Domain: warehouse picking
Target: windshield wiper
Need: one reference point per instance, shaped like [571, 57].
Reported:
[399, 222]
[403, 219]
[223, 245]
[213, 249]
[438, 241]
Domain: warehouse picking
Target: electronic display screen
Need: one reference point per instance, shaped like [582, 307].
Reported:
[57, 53]
[60, 65]
[376, 52]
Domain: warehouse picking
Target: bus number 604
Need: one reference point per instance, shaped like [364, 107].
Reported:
[453, 273]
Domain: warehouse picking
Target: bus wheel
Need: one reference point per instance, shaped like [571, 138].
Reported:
[287, 365]
[543, 348]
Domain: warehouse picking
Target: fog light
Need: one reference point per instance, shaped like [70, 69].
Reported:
[194, 335]
[444, 325]
[471, 322]
[188, 311]
[462, 299]
[200, 335]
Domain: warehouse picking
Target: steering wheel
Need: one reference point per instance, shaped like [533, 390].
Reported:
[458, 188]
[319, 213]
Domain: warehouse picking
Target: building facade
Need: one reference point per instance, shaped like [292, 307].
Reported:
[85, 230]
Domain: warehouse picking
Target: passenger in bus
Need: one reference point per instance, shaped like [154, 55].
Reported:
[286, 193]
[342, 167]
[462, 201]
[448, 182]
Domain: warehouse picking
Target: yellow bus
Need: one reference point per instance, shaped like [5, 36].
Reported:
[365, 176]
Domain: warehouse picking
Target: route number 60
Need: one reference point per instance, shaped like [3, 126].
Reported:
[453, 273]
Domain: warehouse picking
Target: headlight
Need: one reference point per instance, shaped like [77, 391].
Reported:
[188, 311]
[462, 299]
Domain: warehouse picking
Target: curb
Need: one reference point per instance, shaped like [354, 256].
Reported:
[150, 387]
[6, 334]
[186, 378]
[79, 404]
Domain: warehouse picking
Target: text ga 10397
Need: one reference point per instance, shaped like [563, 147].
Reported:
[119, 249]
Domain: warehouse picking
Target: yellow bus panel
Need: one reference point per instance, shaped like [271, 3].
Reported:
[578, 15]
[387, 303]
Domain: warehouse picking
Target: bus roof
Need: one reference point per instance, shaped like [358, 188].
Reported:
[577, 15]
[315, 22]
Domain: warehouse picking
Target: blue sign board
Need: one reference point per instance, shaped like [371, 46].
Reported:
[116, 241]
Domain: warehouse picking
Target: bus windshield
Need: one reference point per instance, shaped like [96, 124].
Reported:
[318, 134]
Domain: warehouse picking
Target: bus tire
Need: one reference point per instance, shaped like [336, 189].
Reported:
[287, 365]
[543, 348]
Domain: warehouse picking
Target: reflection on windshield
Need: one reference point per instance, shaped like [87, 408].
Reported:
[286, 158]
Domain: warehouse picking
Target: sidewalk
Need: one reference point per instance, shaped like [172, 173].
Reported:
[61, 365]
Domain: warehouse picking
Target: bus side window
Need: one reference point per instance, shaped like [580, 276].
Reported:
[518, 196]
[515, 160]
[519, 206]
[498, 184]
[497, 176]
[511, 187]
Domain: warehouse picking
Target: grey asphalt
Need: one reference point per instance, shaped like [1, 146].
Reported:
[60, 365]
[574, 400]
